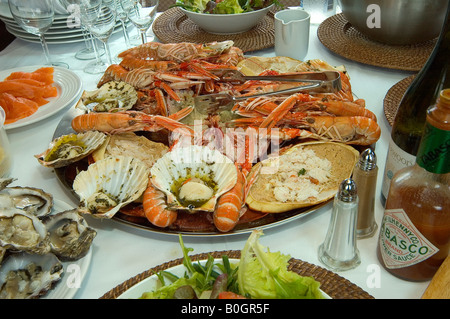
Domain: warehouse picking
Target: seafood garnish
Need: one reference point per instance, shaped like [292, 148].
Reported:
[109, 184]
[29, 199]
[27, 276]
[193, 177]
[70, 148]
[111, 96]
[22, 231]
[70, 235]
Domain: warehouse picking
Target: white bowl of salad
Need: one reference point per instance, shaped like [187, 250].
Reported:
[226, 16]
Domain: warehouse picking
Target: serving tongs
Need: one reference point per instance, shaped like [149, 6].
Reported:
[317, 82]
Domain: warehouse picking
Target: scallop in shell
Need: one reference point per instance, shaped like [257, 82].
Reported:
[70, 235]
[109, 184]
[28, 276]
[70, 148]
[193, 177]
[23, 231]
[113, 95]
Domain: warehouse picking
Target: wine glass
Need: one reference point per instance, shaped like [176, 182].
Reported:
[90, 50]
[100, 19]
[122, 15]
[141, 13]
[35, 17]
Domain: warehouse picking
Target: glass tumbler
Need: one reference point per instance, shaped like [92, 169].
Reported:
[5, 151]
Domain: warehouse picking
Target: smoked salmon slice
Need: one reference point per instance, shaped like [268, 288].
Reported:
[22, 93]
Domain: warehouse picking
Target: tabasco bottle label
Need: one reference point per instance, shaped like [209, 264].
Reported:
[434, 150]
[401, 243]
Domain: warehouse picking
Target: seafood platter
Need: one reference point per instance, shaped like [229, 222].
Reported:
[39, 239]
[171, 143]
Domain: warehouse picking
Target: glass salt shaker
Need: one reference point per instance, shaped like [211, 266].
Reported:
[339, 250]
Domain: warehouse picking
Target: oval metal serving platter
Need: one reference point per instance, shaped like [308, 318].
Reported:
[267, 221]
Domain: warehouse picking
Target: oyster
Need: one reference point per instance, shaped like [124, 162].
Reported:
[70, 235]
[70, 148]
[114, 95]
[109, 184]
[29, 276]
[193, 177]
[130, 144]
[29, 199]
[23, 231]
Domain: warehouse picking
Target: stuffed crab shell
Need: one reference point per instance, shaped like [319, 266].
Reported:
[304, 175]
[193, 177]
[109, 184]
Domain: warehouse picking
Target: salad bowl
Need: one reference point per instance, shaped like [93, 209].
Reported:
[227, 23]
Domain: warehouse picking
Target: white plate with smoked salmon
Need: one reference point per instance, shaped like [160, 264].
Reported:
[32, 93]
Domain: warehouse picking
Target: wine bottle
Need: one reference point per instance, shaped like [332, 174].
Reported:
[414, 235]
[410, 118]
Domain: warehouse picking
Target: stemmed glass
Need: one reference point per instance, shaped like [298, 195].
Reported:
[122, 15]
[141, 13]
[100, 19]
[35, 17]
[90, 51]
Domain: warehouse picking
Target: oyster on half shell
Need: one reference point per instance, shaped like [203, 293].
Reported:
[193, 177]
[70, 148]
[70, 235]
[23, 231]
[28, 276]
[109, 184]
[29, 199]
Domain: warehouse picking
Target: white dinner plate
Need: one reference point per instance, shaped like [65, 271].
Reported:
[69, 90]
[74, 271]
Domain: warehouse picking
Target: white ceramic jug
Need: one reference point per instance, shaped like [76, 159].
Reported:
[292, 33]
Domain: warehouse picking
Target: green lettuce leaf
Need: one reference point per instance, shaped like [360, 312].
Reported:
[264, 274]
[228, 7]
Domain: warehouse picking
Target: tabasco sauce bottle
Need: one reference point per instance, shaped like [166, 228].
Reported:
[415, 231]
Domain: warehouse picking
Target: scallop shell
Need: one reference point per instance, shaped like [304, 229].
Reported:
[109, 184]
[113, 95]
[70, 235]
[184, 163]
[29, 276]
[70, 148]
[23, 231]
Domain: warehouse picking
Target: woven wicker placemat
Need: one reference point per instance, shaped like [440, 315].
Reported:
[394, 96]
[173, 26]
[339, 36]
[334, 285]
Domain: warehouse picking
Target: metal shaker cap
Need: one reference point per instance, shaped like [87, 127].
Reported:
[347, 191]
[367, 160]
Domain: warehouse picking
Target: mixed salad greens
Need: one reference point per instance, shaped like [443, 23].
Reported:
[224, 6]
[260, 274]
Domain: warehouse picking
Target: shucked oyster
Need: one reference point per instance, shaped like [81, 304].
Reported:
[70, 235]
[110, 96]
[23, 231]
[27, 276]
[70, 148]
[194, 177]
[109, 184]
[29, 199]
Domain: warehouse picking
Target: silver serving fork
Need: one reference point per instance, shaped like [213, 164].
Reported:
[319, 82]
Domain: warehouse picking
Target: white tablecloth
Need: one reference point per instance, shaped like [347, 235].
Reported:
[120, 252]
